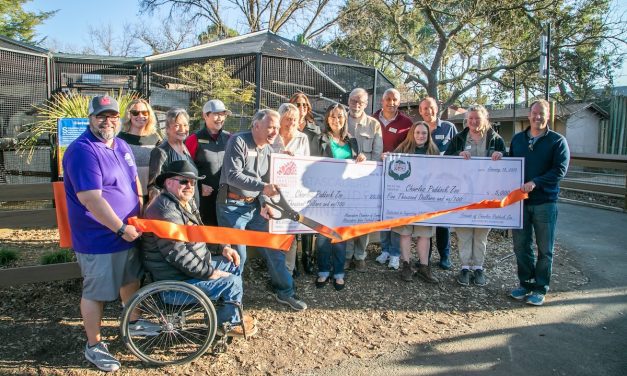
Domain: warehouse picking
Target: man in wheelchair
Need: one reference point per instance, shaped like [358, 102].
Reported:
[167, 259]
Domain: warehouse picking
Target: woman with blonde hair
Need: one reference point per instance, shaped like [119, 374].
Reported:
[418, 141]
[139, 130]
[476, 140]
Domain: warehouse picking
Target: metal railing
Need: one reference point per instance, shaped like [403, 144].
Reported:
[598, 173]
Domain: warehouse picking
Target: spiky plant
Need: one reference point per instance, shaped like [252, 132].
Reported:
[61, 106]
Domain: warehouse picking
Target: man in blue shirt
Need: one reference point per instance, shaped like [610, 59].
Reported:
[103, 190]
[441, 132]
[546, 156]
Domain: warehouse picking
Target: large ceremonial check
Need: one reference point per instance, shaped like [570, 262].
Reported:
[416, 184]
[337, 192]
[334, 192]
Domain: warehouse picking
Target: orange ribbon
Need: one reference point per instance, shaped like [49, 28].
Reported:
[224, 235]
[65, 234]
[184, 233]
[349, 232]
[211, 234]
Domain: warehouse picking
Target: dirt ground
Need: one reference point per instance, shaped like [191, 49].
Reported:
[41, 332]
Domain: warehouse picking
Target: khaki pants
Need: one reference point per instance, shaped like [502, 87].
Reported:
[356, 247]
[472, 243]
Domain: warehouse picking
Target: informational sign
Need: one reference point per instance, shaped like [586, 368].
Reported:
[417, 184]
[334, 192]
[68, 130]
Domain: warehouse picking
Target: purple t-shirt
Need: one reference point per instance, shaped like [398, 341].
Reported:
[89, 164]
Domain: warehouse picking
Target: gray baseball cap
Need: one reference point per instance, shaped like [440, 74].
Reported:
[102, 103]
[215, 105]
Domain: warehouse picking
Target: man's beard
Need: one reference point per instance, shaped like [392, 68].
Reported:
[106, 134]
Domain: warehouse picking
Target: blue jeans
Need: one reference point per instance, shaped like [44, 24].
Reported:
[442, 242]
[245, 216]
[225, 289]
[390, 243]
[535, 275]
[331, 257]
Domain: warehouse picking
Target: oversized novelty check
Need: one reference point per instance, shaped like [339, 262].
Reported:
[416, 184]
[334, 192]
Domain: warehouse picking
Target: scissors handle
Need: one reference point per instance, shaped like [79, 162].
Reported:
[284, 209]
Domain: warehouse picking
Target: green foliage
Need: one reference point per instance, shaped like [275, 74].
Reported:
[466, 51]
[214, 80]
[57, 257]
[61, 106]
[215, 33]
[17, 24]
[7, 256]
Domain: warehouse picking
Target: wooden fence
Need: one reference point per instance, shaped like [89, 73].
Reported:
[24, 219]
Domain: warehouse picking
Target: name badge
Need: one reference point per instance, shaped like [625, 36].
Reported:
[393, 130]
[201, 141]
[252, 153]
[439, 137]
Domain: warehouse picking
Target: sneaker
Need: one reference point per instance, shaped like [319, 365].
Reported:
[520, 293]
[249, 322]
[99, 355]
[479, 278]
[445, 263]
[394, 262]
[144, 328]
[292, 301]
[360, 266]
[424, 272]
[535, 299]
[406, 273]
[464, 277]
[383, 258]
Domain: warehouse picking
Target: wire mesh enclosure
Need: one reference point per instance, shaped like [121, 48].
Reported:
[273, 66]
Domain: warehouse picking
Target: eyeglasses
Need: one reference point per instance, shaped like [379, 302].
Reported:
[361, 103]
[531, 142]
[136, 113]
[104, 118]
[185, 181]
[301, 104]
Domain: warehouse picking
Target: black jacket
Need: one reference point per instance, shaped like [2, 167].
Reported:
[494, 142]
[172, 259]
[321, 146]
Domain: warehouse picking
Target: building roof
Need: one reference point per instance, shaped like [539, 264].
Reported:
[12, 44]
[97, 59]
[563, 111]
[261, 42]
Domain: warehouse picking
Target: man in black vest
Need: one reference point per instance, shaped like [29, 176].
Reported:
[207, 149]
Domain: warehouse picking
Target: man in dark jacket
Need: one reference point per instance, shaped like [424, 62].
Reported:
[546, 156]
[168, 259]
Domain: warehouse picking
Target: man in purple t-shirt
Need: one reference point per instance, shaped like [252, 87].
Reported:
[103, 191]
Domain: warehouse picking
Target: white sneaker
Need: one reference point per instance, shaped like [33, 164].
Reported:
[394, 262]
[383, 257]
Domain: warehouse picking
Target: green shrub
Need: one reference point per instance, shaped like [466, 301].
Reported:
[57, 257]
[7, 256]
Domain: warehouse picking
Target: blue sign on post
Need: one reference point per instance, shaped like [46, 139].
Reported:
[68, 130]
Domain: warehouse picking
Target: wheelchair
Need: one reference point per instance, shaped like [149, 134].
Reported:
[186, 319]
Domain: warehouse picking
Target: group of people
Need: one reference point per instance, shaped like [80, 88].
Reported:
[215, 178]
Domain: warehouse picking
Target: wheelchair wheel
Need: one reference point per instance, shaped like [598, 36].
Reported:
[183, 322]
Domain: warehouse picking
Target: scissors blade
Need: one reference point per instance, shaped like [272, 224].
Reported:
[318, 227]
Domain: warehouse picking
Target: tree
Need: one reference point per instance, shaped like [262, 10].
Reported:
[18, 24]
[449, 48]
[311, 18]
[214, 80]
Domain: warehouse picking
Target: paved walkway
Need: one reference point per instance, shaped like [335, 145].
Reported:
[582, 332]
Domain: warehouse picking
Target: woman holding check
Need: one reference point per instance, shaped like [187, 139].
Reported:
[478, 139]
[334, 142]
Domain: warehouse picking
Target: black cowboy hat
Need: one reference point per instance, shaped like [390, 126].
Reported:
[178, 168]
